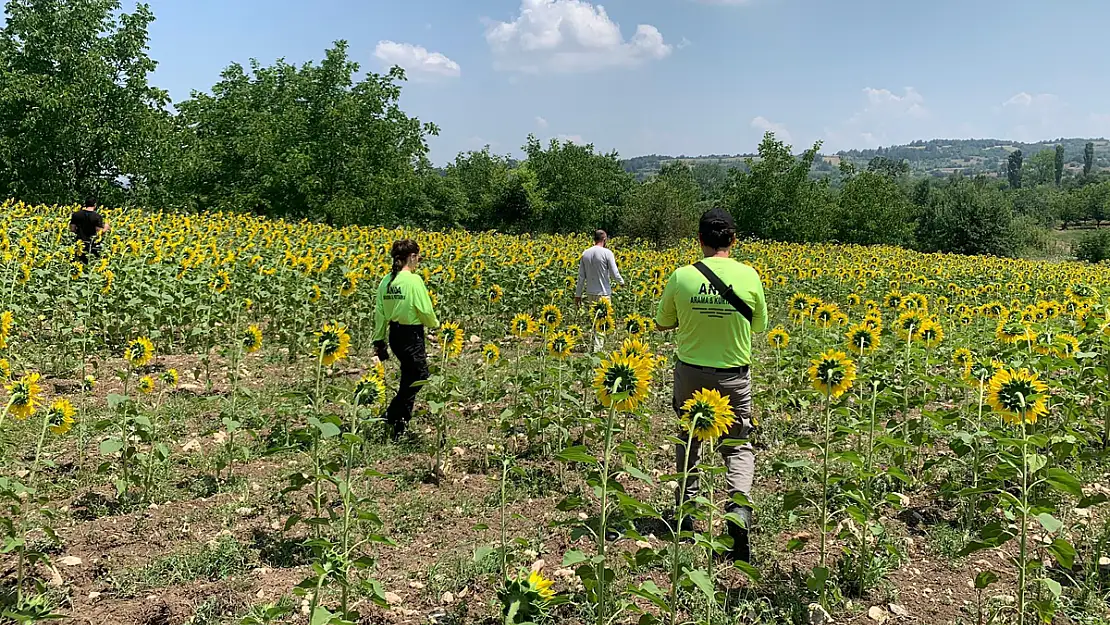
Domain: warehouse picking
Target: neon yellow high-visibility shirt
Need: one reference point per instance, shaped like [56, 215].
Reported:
[711, 333]
[405, 301]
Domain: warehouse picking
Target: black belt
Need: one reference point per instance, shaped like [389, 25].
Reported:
[742, 369]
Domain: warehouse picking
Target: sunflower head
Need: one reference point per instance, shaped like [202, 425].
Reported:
[707, 415]
[495, 293]
[1013, 331]
[1017, 395]
[602, 308]
[251, 339]
[550, 316]
[621, 382]
[604, 324]
[527, 595]
[59, 417]
[146, 385]
[832, 373]
[523, 325]
[779, 338]
[139, 352]
[349, 285]
[451, 339]
[908, 324]
[314, 293]
[559, 345]
[89, 383]
[332, 343]
[929, 333]
[636, 325]
[862, 339]
[24, 396]
[1066, 345]
[170, 378]
[222, 282]
[369, 390]
[491, 353]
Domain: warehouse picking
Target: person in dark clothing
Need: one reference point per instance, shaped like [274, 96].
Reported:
[403, 309]
[88, 225]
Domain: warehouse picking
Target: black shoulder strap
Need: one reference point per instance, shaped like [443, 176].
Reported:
[726, 292]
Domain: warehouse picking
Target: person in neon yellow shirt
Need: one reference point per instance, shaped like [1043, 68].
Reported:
[402, 310]
[715, 353]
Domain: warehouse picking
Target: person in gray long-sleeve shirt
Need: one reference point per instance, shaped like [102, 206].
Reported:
[596, 271]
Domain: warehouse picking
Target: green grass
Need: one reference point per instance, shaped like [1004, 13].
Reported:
[946, 542]
[216, 560]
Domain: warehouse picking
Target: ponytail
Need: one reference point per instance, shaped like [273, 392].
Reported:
[401, 252]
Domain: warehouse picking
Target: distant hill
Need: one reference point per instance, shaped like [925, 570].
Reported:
[937, 157]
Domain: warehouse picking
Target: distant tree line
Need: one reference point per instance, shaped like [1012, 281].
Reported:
[324, 141]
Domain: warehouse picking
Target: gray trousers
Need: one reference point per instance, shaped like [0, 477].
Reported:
[739, 460]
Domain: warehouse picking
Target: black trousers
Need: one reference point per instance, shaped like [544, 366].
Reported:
[407, 344]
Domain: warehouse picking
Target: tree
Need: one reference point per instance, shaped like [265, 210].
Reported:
[1040, 169]
[1059, 164]
[584, 190]
[665, 209]
[1094, 202]
[485, 179]
[75, 104]
[888, 167]
[967, 217]
[1094, 247]
[1088, 158]
[303, 142]
[1067, 207]
[711, 178]
[874, 209]
[1013, 169]
[776, 198]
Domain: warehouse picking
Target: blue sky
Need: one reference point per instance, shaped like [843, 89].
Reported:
[682, 76]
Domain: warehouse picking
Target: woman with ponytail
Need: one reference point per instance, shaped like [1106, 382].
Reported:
[402, 311]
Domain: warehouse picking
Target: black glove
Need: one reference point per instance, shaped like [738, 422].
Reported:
[381, 348]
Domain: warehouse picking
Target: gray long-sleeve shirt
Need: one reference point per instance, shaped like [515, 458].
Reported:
[597, 268]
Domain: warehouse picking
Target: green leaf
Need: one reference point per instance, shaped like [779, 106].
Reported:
[576, 454]
[749, 570]
[1064, 481]
[1036, 463]
[110, 446]
[571, 558]
[1050, 523]
[984, 579]
[1053, 586]
[818, 578]
[702, 581]
[1063, 551]
[321, 616]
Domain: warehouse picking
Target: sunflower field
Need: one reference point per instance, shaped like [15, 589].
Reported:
[192, 434]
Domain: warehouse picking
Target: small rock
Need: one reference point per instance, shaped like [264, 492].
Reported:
[464, 592]
[536, 567]
[393, 598]
[643, 544]
[818, 615]
[244, 511]
[877, 614]
[192, 446]
[474, 338]
[447, 598]
[1103, 561]
[1004, 599]
[93, 596]
[416, 585]
[219, 437]
[898, 610]
[564, 573]
[261, 594]
[70, 561]
[458, 451]
[56, 578]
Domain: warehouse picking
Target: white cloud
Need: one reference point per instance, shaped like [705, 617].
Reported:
[417, 62]
[886, 118]
[765, 125]
[570, 36]
[541, 122]
[1028, 100]
[572, 138]
[910, 103]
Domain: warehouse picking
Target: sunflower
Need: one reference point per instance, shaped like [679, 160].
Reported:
[559, 345]
[139, 352]
[7, 320]
[332, 343]
[1043, 343]
[832, 373]
[146, 385]
[963, 359]
[451, 339]
[251, 339]
[170, 378]
[854, 299]
[495, 293]
[908, 323]
[707, 415]
[893, 300]
[523, 325]
[60, 416]
[602, 308]
[349, 285]
[369, 390]
[798, 305]
[634, 347]
[930, 333]
[1010, 332]
[636, 325]
[826, 315]
[24, 395]
[222, 282]
[541, 586]
[1067, 345]
[862, 339]
[621, 382]
[604, 324]
[1017, 395]
[314, 293]
[550, 316]
[575, 332]
[874, 321]
[89, 383]
[491, 353]
[779, 338]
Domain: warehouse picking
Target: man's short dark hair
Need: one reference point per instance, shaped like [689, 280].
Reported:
[90, 202]
[599, 236]
[717, 229]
